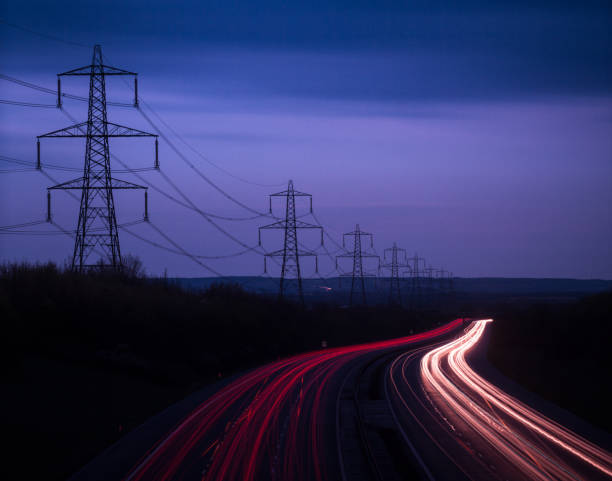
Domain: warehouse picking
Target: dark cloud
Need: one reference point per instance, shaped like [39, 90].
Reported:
[379, 50]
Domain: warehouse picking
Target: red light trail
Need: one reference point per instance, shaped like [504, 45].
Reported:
[277, 427]
[278, 422]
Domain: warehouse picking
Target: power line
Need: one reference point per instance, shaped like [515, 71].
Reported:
[24, 224]
[314, 216]
[46, 90]
[11, 171]
[259, 214]
[199, 154]
[176, 134]
[48, 166]
[43, 35]
[16, 161]
[180, 251]
[177, 246]
[27, 104]
[71, 232]
[204, 177]
[23, 83]
[196, 170]
[189, 203]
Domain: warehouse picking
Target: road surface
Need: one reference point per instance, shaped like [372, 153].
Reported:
[408, 408]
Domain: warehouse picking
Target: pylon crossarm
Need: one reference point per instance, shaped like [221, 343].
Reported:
[79, 184]
[281, 253]
[114, 130]
[281, 224]
[71, 184]
[361, 233]
[277, 253]
[276, 225]
[78, 130]
[106, 70]
[305, 225]
[296, 193]
[124, 184]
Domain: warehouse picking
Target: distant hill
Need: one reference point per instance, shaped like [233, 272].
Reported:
[526, 285]
[336, 289]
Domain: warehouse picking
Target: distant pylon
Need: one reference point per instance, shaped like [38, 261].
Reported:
[441, 276]
[417, 268]
[290, 269]
[451, 286]
[97, 224]
[415, 265]
[429, 273]
[393, 265]
[358, 275]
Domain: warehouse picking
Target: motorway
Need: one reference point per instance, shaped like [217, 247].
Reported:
[278, 422]
[408, 408]
[487, 434]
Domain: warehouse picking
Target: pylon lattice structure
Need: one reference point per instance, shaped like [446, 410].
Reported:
[417, 269]
[97, 224]
[429, 277]
[394, 263]
[358, 255]
[291, 276]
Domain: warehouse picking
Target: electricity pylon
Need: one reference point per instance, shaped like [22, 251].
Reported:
[97, 224]
[398, 260]
[417, 268]
[450, 284]
[358, 275]
[290, 270]
[441, 275]
[429, 273]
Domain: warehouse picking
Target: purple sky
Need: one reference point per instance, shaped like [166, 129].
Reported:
[481, 138]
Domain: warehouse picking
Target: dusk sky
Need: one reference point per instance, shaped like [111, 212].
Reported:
[476, 133]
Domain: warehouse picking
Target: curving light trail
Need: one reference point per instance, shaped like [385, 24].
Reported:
[274, 423]
[535, 446]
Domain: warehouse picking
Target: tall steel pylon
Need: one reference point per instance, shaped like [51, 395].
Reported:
[358, 275]
[291, 276]
[97, 224]
[398, 260]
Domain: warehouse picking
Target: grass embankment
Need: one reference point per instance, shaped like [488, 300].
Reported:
[561, 352]
[87, 358]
